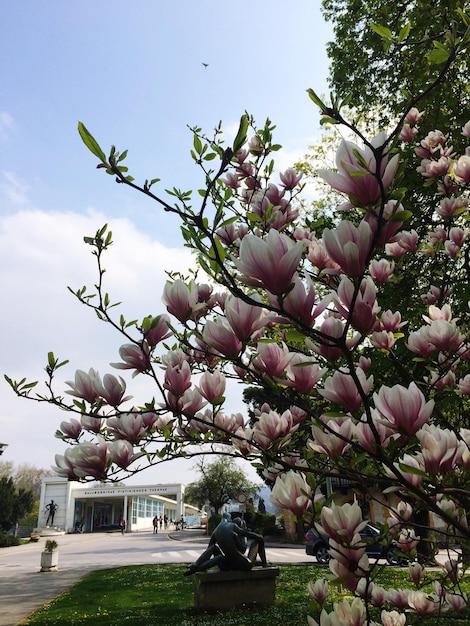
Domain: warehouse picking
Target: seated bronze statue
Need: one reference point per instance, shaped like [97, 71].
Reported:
[227, 547]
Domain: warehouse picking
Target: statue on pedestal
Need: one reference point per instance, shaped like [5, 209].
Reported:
[227, 547]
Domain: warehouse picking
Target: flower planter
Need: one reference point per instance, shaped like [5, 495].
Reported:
[49, 561]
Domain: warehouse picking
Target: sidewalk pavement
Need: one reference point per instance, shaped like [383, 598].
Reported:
[23, 589]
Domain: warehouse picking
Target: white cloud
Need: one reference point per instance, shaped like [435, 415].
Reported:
[14, 190]
[6, 124]
[40, 255]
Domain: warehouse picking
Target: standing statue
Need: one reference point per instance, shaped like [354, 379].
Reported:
[227, 547]
[51, 509]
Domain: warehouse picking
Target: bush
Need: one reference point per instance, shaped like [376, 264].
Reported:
[8, 540]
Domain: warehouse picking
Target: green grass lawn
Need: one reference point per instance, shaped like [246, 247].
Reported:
[159, 594]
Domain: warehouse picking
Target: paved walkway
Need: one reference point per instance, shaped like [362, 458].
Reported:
[24, 589]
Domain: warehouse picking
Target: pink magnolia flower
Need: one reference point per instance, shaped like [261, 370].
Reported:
[70, 430]
[345, 613]
[441, 449]
[366, 437]
[219, 336]
[241, 440]
[408, 133]
[390, 321]
[457, 602]
[290, 178]
[385, 223]
[303, 375]
[180, 299]
[359, 171]
[464, 385]
[408, 240]
[419, 344]
[273, 429]
[332, 329]
[349, 246]
[231, 234]
[348, 564]
[192, 401]
[359, 306]
[466, 130]
[270, 261]
[111, 389]
[244, 319]
[398, 598]
[129, 426]
[318, 590]
[92, 424]
[450, 206]
[229, 423]
[318, 257]
[443, 335]
[300, 301]
[381, 270]
[178, 378]
[461, 169]
[376, 593]
[157, 329]
[135, 357]
[91, 459]
[417, 471]
[434, 295]
[416, 573]
[393, 618]
[404, 410]
[122, 453]
[342, 389]
[83, 387]
[383, 340]
[341, 522]
[395, 249]
[65, 465]
[458, 236]
[292, 492]
[272, 360]
[212, 386]
[435, 168]
[334, 440]
[423, 604]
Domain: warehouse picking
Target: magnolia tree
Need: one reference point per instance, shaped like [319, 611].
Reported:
[298, 313]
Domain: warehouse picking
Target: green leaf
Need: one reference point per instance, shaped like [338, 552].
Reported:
[197, 144]
[241, 134]
[437, 56]
[404, 32]
[91, 142]
[383, 31]
[314, 98]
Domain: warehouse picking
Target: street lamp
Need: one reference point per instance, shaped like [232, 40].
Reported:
[2, 446]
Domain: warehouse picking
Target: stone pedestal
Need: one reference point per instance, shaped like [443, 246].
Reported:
[221, 591]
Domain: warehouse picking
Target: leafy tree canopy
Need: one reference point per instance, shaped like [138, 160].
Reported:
[220, 483]
[380, 55]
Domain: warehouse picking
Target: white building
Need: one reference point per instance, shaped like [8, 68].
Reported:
[102, 508]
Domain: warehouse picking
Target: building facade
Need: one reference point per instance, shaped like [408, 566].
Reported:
[73, 506]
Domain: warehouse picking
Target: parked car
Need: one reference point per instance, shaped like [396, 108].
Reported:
[317, 545]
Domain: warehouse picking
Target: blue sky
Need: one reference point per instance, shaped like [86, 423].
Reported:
[133, 73]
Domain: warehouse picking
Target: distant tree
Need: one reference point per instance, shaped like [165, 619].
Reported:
[220, 483]
[15, 503]
[25, 476]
